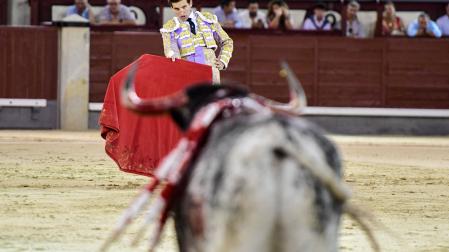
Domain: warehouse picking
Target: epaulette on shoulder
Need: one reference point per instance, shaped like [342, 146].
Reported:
[170, 26]
[208, 17]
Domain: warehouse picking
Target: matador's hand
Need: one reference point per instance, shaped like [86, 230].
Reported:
[171, 55]
[219, 65]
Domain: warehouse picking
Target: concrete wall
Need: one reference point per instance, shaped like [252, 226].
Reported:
[356, 125]
[93, 119]
[73, 88]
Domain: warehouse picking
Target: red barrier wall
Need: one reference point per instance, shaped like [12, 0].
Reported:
[28, 62]
[335, 71]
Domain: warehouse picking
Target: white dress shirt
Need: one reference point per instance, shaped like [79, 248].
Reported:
[193, 17]
[312, 24]
[246, 22]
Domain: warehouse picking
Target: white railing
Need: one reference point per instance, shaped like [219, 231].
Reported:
[95, 106]
[6, 102]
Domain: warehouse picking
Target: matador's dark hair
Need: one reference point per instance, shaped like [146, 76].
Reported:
[170, 2]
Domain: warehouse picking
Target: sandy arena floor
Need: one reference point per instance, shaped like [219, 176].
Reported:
[60, 192]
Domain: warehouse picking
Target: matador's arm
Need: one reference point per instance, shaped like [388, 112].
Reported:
[225, 42]
[171, 49]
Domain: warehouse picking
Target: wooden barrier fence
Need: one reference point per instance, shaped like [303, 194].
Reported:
[28, 62]
[335, 71]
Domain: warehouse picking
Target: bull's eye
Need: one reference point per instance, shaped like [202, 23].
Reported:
[279, 153]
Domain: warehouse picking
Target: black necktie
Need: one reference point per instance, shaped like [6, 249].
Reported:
[192, 26]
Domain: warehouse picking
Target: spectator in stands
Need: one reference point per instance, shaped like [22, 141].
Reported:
[81, 8]
[443, 22]
[391, 24]
[354, 28]
[252, 17]
[278, 16]
[423, 27]
[227, 13]
[116, 13]
[332, 20]
[317, 21]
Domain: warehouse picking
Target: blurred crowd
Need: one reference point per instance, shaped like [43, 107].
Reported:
[278, 16]
[114, 13]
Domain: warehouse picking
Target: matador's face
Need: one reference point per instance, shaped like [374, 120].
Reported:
[182, 9]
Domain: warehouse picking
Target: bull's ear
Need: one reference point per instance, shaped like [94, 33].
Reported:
[207, 93]
[182, 117]
[199, 96]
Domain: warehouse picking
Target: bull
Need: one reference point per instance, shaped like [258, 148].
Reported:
[257, 177]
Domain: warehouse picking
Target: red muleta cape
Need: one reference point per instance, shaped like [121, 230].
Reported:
[138, 143]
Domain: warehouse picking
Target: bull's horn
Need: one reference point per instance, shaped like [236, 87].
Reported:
[131, 100]
[298, 99]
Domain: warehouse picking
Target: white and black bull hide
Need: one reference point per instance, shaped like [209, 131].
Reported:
[251, 191]
[265, 180]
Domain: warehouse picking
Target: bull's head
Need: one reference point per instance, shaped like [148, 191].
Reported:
[183, 104]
